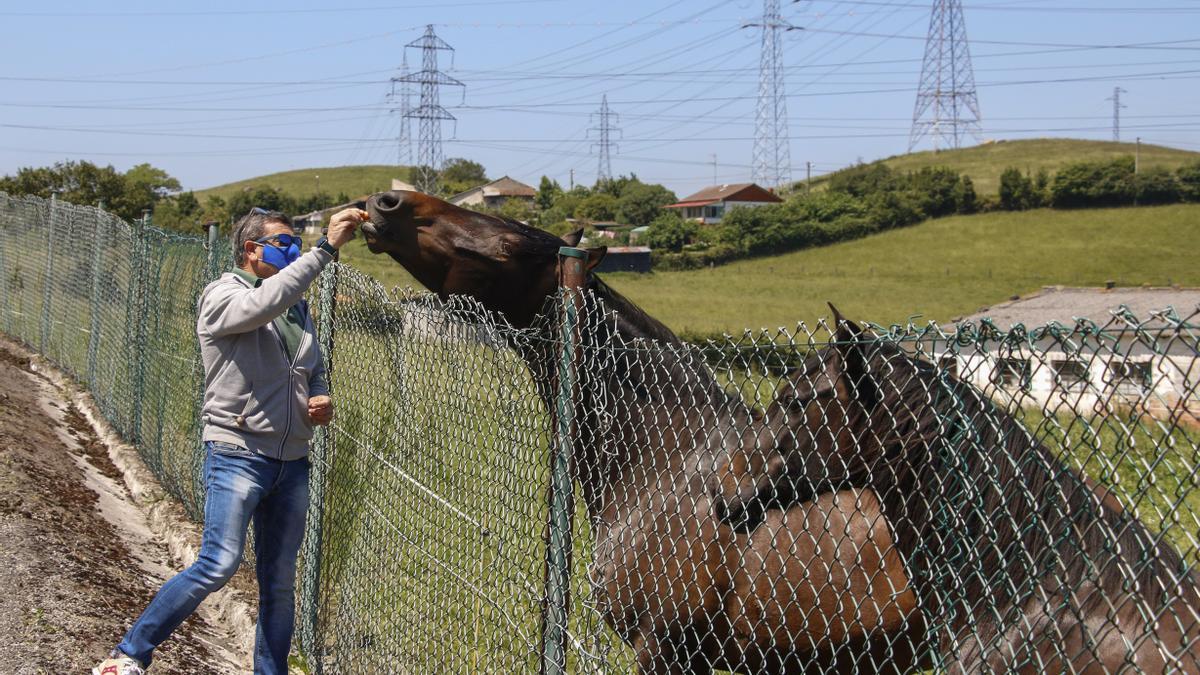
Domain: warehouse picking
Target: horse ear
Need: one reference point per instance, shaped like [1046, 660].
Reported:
[853, 381]
[595, 255]
[573, 238]
[845, 330]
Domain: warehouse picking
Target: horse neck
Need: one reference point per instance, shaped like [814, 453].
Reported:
[978, 491]
[632, 375]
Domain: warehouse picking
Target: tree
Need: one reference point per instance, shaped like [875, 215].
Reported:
[965, 199]
[616, 186]
[640, 204]
[262, 196]
[549, 191]
[459, 175]
[1017, 191]
[597, 207]
[669, 232]
[144, 187]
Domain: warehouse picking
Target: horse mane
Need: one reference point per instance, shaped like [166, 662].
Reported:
[1021, 523]
[639, 324]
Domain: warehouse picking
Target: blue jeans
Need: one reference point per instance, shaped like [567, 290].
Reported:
[239, 486]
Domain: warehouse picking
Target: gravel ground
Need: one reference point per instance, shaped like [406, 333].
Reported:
[77, 559]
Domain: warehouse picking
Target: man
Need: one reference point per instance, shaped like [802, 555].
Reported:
[264, 389]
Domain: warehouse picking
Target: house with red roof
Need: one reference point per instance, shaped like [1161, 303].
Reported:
[710, 205]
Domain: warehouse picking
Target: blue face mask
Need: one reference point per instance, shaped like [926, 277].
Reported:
[281, 255]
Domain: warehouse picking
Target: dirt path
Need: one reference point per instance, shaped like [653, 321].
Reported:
[78, 561]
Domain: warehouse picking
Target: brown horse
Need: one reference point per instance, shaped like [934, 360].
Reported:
[1020, 563]
[817, 588]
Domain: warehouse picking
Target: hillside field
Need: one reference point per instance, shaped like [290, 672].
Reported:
[940, 269]
[984, 163]
[355, 181]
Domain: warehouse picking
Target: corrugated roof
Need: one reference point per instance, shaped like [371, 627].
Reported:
[501, 187]
[1065, 304]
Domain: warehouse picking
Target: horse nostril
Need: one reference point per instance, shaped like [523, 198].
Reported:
[388, 201]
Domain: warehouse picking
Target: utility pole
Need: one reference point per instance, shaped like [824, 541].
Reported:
[714, 158]
[318, 179]
[430, 112]
[947, 108]
[1137, 156]
[1117, 107]
[808, 176]
[772, 148]
[400, 98]
[605, 144]
[572, 181]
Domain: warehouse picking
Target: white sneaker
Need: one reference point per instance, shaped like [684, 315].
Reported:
[119, 664]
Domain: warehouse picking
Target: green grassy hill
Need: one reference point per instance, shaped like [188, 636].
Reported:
[355, 181]
[941, 269]
[984, 163]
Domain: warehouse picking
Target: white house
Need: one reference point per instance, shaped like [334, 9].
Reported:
[1148, 364]
[710, 205]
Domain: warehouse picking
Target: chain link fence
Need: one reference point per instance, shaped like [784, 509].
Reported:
[593, 495]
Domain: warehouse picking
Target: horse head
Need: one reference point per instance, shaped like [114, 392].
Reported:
[507, 266]
[814, 437]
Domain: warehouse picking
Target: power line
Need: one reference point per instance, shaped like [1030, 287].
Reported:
[772, 151]
[947, 107]
[430, 111]
[605, 144]
[1117, 106]
[402, 102]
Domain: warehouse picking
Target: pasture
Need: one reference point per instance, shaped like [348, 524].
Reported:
[938, 270]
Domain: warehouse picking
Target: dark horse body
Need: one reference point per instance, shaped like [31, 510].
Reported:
[818, 587]
[1020, 563]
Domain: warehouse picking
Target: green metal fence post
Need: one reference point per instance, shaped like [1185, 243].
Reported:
[557, 602]
[322, 459]
[139, 356]
[5, 306]
[99, 230]
[48, 283]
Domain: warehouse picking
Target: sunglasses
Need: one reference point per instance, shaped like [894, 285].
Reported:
[284, 240]
[259, 211]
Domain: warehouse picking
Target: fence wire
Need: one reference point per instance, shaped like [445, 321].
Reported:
[895, 499]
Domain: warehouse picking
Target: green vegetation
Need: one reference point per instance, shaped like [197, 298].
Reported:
[126, 194]
[355, 181]
[984, 163]
[940, 269]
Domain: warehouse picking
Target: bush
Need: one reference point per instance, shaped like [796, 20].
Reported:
[894, 209]
[965, 199]
[934, 190]
[669, 232]
[1094, 184]
[1017, 191]
[1188, 177]
[1156, 186]
[863, 180]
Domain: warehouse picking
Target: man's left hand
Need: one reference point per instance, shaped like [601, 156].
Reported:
[320, 410]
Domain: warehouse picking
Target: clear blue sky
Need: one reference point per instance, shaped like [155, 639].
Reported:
[214, 92]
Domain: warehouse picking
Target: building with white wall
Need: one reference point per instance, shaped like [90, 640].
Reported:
[1112, 349]
[710, 205]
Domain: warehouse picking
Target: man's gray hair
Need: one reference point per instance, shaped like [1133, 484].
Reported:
[251, 227]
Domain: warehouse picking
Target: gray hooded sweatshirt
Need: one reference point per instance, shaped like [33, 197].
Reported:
[256, 397]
